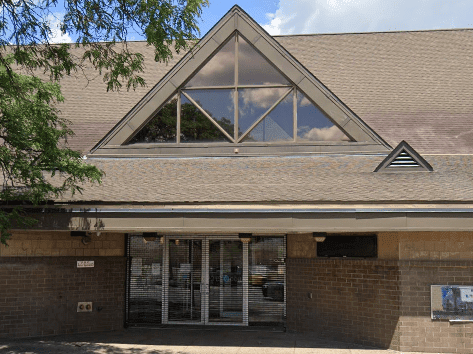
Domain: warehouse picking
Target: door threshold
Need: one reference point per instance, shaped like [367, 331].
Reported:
[215, 327]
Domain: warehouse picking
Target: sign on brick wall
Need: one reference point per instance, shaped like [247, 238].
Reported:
[85, 264]
[452, 302]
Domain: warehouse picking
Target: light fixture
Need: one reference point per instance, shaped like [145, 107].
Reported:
[176, 242]
[245, 237]
[319, 236]
[149, 236]
[161, 240]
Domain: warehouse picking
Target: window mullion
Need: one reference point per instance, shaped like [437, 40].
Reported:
[178, 128]
[235, 96]
[294, 112]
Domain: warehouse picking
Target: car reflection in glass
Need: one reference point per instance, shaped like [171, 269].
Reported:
[273, 290]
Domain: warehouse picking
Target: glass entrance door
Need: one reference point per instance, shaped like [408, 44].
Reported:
[205, 281]
[184, 285]
[225, 281]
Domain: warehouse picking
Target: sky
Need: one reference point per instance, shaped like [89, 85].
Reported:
[282, 17]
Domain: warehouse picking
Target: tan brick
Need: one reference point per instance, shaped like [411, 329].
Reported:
[91, 252]
[116, 252]
[98, 244]
[79, 252]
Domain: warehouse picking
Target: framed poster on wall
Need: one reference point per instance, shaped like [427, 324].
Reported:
[452, 302]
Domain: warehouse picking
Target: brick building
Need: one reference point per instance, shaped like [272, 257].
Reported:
[266, 180]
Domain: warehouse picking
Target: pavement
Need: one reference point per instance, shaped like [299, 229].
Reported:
[178, 340]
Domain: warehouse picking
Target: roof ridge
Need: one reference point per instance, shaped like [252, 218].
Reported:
[373, 32]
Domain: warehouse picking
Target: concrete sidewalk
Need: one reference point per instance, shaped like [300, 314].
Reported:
[185, 341]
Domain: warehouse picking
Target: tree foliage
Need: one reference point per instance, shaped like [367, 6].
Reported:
[195, 126]
[101, 29]
[36, 163]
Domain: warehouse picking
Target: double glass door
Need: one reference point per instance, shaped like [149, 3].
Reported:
[205, 281]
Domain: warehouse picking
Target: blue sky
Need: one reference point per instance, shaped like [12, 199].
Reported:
[280, 17]
[340, 16]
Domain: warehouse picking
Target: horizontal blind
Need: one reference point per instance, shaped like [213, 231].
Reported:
[185, 280]
[266, 278]
[144, 300]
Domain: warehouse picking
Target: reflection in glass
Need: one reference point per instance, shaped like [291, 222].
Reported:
[218, 104]
[225, 281]
[313, 125]
[185, 277]
[219, 70]
[196, 127]
[254, 69]
[145, 281]
[253, 103]
[161, 128]
[266, 278]
[277, 126]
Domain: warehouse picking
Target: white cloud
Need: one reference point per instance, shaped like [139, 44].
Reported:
[325, 134]
[338, 16]
[57, 36]
[262, 98]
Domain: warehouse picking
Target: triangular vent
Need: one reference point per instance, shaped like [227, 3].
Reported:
[403, 158]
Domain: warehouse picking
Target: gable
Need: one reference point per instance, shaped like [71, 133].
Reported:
[277, 124]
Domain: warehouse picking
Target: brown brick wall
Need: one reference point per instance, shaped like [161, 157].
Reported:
[352, 300]
[60, 243]
[418, 331]
[374, 302]
[39, 295]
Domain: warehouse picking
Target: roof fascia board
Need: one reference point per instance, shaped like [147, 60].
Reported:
[237, 19]
[171, 150]
[249, 222]
[403, 146]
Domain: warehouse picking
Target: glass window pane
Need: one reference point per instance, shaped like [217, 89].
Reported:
[254, 69]
[253, 103]
[219, 71]
[196, 127]
[313, 125]
[162, 127]
[218, 104]
[277, 126]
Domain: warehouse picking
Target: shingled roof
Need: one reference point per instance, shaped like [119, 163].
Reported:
[310, 179]
[412, 86]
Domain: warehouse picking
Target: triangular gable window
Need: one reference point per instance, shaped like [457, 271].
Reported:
[403, 158]
[239, 91]
[238, 96]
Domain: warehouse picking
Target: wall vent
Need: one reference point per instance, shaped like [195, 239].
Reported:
[403, 158]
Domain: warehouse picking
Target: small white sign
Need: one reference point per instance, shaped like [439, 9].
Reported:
[156, 269]
[466, 294]
[85, 264]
